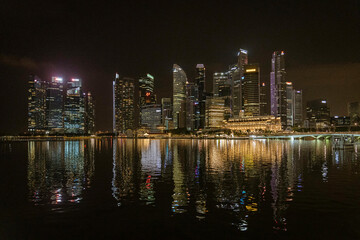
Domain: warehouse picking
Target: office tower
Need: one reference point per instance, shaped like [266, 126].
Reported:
[200, 107]
[263, 99]
[354, 113]
[74, 109]
[123, 104]
[237, 75]
[220, 79]
[289, 104]
[191, 103]
[151, 117]
[251, 90]
[166, 112]
[36, 105]
[318, 114]
[54, 105]
[298, 108]
[222, 88]
[278, 87]
[179, 82]
[215, 111]
[89, 114]
[146, 90]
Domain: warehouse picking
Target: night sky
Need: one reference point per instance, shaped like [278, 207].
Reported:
[92, 41]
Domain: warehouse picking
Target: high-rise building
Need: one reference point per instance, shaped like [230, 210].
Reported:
[74, 109]
[215, 111]
[89, 114]
[298, 108]
[146, 90]
[200, 107]
[36, 105]
[191, 103]
[318, 114]
[123, 104]
[354, 113]
[151, 117]
[289, 104]
[237, 75]
[278, 97]
[251, 90]
[166, 112]
[179, 82]
[220, 79]
[54, 105]
[263, 99]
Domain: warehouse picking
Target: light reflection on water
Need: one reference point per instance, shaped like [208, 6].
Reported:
[238, 179]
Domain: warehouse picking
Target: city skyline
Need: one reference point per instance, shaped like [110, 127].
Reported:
[320, 40]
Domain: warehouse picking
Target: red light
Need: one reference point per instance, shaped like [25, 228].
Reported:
[147, 94]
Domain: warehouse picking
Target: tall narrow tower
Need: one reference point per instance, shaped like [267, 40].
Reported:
[278, 87]
[179, 96]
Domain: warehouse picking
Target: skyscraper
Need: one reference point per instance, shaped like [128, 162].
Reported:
[251, 90]
[36, 105]
[278, 96]
[200, 107]
[215, 112]
[263, 99]
[298, 108]
[166, 112]
[318, 114]
[89, 114]
[54, 105]
[123, 104]
[74, 114]
[146, 90]
[237, 75]
[191, 106]
[151, 117]
[179, 82]
[289, 104]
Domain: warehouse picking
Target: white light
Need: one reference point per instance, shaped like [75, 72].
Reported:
[323, 101]
[75, 79]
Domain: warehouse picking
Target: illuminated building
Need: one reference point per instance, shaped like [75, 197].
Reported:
[237, 74]
[340, 122]
[215, 111]
[36, 105]
[298, 108]
[146, 90]
[222, 88]
[179, 82]
[318, 114]
[191, 104]
[278, 97]
[166, 112]
[151, 117]
[123, 104]
[201, 98]
[74, 114]
[354, 112]
[254, 124]
[54, 105]
[263, 99]
[251, 90]
[89, 114]
[289, 104]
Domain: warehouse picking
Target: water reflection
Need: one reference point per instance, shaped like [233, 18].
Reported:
[235, 181]
[59, 172]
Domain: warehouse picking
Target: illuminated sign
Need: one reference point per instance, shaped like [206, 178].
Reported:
[288, 83]
[251, 70]
[158, 110]
[243, 51]
[75, 79]
[263, 84]
[150, 76]
[323, 101]
[147, 94]
[282, 53]
[57, 79]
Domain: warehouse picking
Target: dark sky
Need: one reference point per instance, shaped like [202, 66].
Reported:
[94, 40]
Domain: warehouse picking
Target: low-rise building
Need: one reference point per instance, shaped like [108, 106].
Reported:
[254, 124]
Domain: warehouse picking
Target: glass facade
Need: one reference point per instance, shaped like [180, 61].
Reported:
[54, 105]
[74, 114]
[251, 90]
[123, 104]
[179, 96]
[36, 104]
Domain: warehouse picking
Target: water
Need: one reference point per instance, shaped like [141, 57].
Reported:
[178, 189]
